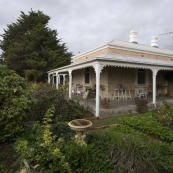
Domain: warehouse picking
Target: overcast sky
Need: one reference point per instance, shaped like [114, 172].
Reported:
[86, 24]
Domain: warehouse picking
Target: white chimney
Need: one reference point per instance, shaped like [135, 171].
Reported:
[154, 41]
[133, 36]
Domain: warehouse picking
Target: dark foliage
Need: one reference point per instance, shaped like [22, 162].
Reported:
[141, 105]
[31, 48]
[62, 130]
[65, 110]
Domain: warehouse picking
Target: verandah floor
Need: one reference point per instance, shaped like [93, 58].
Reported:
[119, 107]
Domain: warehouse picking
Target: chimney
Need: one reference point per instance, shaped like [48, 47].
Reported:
[133, 36]
[154, 41]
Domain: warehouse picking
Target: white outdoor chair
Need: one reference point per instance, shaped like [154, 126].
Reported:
[137, 93]
[128, 94]
[144, 93]
[141, 93]
[73, 91]
[80, 91]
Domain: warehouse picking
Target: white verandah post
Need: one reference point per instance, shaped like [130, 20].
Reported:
[57, 80]
[59, 76]
[53, 79]
[97, 71]
[48, 78]
[70, 82]
[63, 79]
[154, 86]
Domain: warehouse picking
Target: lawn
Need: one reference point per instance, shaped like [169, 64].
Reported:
[108, 121]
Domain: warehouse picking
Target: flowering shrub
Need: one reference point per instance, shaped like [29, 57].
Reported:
[165, 114]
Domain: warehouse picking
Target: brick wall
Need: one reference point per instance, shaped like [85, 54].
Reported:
[122, 52]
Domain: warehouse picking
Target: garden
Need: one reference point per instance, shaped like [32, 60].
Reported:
[35, 136]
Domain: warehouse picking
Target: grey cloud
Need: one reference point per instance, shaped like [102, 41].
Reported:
[85, 24]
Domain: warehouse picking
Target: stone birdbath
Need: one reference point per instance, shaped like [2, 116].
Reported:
[80, 126]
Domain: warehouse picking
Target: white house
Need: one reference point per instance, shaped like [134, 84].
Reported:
[117, 62]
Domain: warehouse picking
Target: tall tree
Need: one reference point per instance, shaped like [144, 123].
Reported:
[31, 48]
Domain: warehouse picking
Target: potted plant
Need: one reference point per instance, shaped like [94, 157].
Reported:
[169, 77]
[105, 103]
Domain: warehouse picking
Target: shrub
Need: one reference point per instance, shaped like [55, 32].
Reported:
[44, 150]
[55, 154]
[165, 114]
[62, 130]
[132, 153]
[15, 103]
[166, 158]
[65, 110]
[86, 158]
[37, 86]
[63, 88]
[141, 105]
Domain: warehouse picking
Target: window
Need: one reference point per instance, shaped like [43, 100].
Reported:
[87, 75]
[141, 77]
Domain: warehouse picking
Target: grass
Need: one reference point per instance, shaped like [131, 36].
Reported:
[109, 121]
